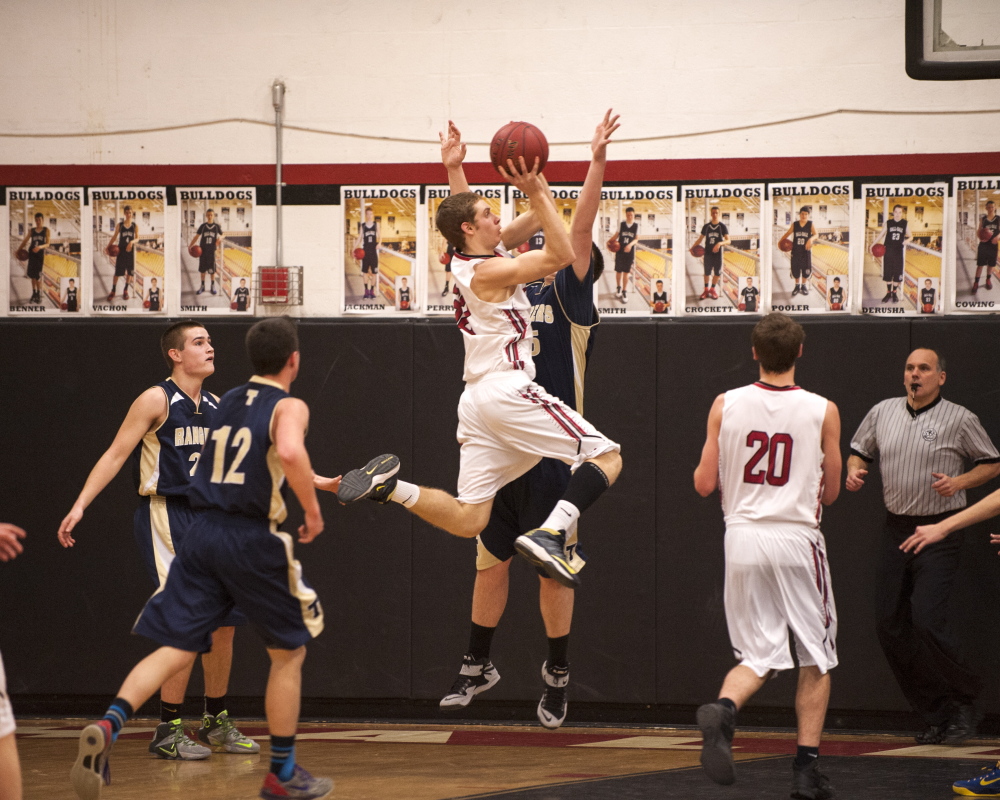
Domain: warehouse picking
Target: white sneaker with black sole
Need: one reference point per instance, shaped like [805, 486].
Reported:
[476, 675]
[554, 703]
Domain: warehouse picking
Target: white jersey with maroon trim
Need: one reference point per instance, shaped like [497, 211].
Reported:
[497, 336]
[771, 455]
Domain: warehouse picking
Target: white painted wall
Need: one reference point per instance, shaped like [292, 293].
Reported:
[400, 68]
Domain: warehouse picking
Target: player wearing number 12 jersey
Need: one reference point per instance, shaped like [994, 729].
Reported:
[773, 450]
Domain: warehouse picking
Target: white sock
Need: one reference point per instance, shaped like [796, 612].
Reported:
[406, 494]
[563, 516]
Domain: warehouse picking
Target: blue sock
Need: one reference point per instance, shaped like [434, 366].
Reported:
[118, 714]
[283, 756]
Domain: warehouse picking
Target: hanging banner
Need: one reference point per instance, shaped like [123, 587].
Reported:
[45, 257]
[380, 247]
[216, 248]
[439, 285]
[903, 233]
[810, 247]
[128, 266]
[637, 241]
[722, 225]
[976, 281]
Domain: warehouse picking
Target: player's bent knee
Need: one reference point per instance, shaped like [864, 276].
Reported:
[610, 464]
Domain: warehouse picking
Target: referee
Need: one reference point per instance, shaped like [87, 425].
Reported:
[924, 443]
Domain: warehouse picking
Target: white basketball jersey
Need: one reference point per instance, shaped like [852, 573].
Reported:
[771, 456]
[498, 336]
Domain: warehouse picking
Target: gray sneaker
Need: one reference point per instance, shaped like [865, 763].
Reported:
[171, 742]
[220, 732]
[376, 480]
[301, 786]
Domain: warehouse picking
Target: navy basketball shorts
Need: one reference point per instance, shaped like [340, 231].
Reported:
[206, 261]
[802, 266]
[369, 263]
[124, 263]
[892, 265]
[713, 263]
[225, 561]
[986, 255]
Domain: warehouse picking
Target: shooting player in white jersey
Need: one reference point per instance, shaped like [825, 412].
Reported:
[10, 764]
[773, 451]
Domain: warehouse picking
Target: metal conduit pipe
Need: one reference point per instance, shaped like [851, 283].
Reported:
[278, 101]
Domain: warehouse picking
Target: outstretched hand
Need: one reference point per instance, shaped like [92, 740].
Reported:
[10, 544]
[923, 536]
[452, 147]
[602, 135]
[523, 179]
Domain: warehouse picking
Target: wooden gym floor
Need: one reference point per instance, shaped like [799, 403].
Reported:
[448, 762]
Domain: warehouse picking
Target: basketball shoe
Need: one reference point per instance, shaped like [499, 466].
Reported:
[376, 480]
[220, 732]
[476, 675]
[717, 723]
[170, 741]
[91, 771]
[554, 703]
[546, 548]
[986, 784]
[808, 783]
[301, 786]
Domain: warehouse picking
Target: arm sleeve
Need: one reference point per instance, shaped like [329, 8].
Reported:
[864, 443]
[976, 442]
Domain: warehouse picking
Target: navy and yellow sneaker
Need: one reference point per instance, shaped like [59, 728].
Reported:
[986, 784]
[546, 548]
[222, 733]
[375, 480]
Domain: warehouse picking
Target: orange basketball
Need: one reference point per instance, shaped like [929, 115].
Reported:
[519, 139]
[614, 245]
[985, 234]
[697, 251]
[233, 305]
[785, 245]
[659, 308]
[835, 306]
[524, 247]
[404, 305]
[743, 306]
[145, 304]
[878, 250]
[113, 250]
[64, 306]
[928, 308]
[444, 258]
[359, 253]
[195, 251]
[22, 254]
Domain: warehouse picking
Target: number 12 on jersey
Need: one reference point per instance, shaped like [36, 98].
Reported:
[241, 443]
[778, 450]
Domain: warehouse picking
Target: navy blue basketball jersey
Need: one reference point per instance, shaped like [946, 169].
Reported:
[239, 471]
[369, 236]
[992, 225]
[242, 298]
[713, 235]
[895, 233]
[126, 235]
[750, 295]
[627, 233]
[800, 235]
[38, 238]
[537, 241]
[562, 319]
[209, 236]
[71, 299]
[165, 458]
[837, 295]
[927, 296]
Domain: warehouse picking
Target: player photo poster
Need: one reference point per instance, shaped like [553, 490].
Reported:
[810, 246]
[636, 229]
[977, 225]
[904, 228]
[380, 245]
[439, 285]
[128, 250]
[216, 247]
[722, 230]
[45, 273]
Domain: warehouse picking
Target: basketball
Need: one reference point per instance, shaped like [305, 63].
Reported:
[519, 139]
[359, 253]
[63, 306]
[524, 247]
[232, 305]
[697, 251]
[985, 234]
[928, 308]
[113, 250]
[835, 306]
[404, 305]
[195, 251]
[785, 245]
[145, 304]
[659, 308]
[22, 254]
[614, 245]
[743, 306]
[878, 250]
[444, 258]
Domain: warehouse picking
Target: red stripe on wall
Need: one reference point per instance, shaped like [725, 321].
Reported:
[665, 170]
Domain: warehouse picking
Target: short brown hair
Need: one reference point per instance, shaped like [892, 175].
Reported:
[173, 338]
[454, 211]
[776, 340]
[270, 343]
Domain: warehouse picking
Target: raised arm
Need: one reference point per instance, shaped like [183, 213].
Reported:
[147, 412]
[291, 419]
[706, 475]
[832, 461]
[581, 231]
[452, 155]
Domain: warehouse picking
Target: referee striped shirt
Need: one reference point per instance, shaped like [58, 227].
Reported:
[940, 437]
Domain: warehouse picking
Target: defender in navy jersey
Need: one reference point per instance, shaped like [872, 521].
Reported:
[235, 554]
[537, 240]
[71, 299]
[208, 236]
[369, 238]
[125, 235]
[986, 252]
[163, 434]
[35, 241]
[242, 296]
[895, 236]
[626, 235]
[715, 236]
[803, 235]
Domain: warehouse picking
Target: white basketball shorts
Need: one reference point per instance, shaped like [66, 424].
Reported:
[6, 712]
[777, 578]
[507, 424]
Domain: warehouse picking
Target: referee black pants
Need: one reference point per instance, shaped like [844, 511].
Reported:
[914, 626]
